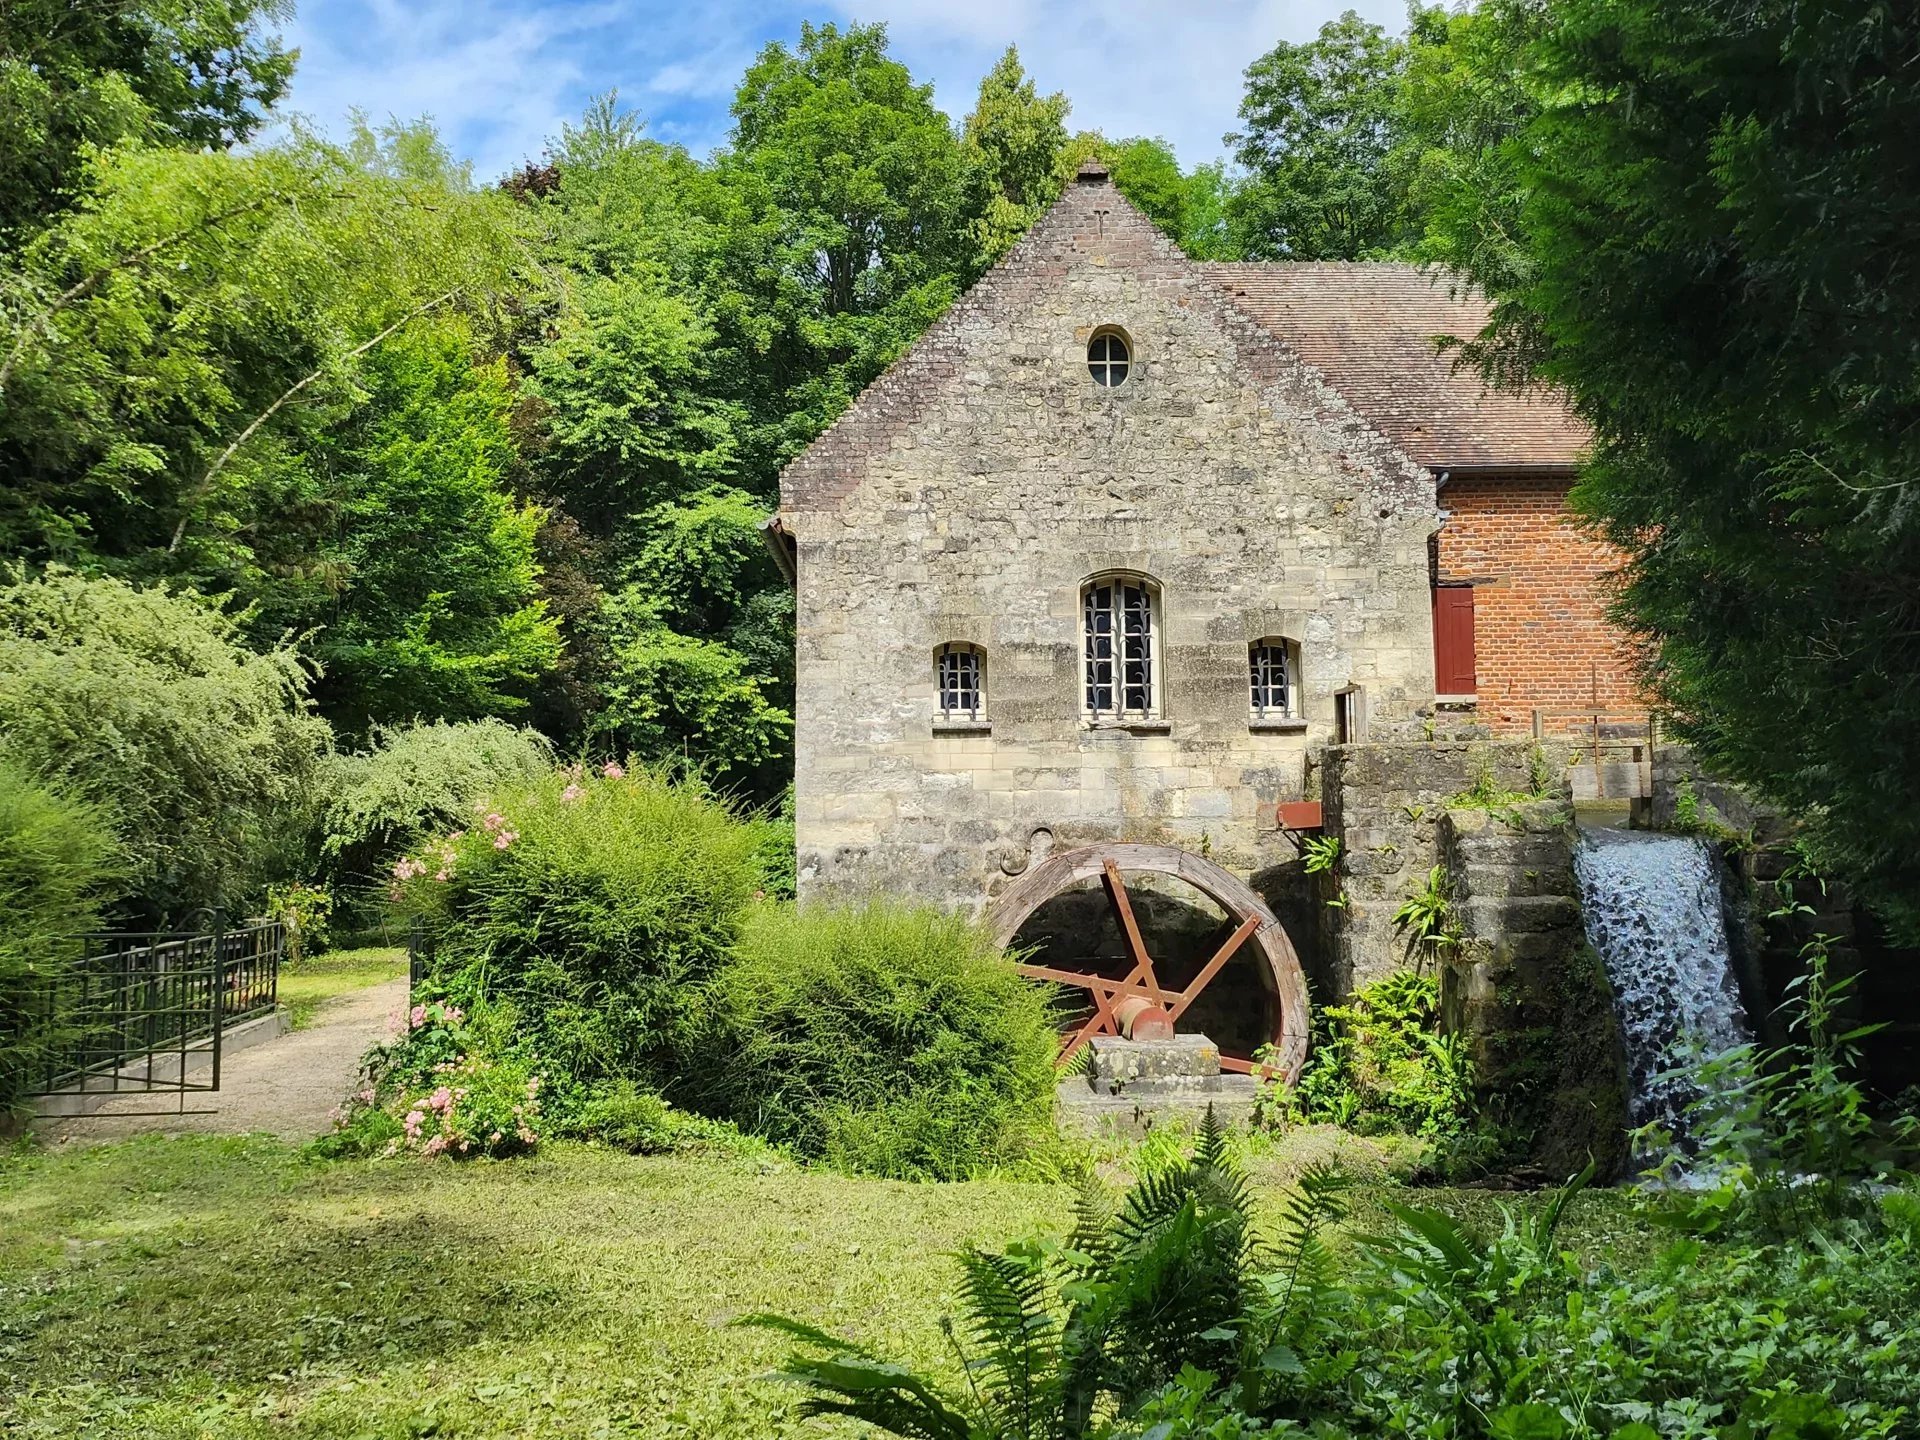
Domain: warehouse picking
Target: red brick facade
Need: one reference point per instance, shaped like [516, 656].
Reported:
[1541, 637]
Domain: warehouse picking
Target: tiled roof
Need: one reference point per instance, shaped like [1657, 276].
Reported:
[1370, 329]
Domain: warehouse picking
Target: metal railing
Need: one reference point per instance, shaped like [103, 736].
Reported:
[139, 1010]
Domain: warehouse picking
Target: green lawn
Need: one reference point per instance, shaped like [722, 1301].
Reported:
[305, 985]
[208, 1287]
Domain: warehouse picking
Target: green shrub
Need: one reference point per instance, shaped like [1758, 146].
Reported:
[628, 1118]
[592, 905]
[55, 855]
[1380, 1065]
[199, 751]
[416, 781]
[893, 1041]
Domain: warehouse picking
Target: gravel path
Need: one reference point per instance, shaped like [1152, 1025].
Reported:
[284, 1087]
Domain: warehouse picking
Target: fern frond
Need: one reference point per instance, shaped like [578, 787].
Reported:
[848, 1381]
[1014, 1338]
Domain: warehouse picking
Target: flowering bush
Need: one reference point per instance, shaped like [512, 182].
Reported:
[479, 1107]
[436, 1089]
[593, 903]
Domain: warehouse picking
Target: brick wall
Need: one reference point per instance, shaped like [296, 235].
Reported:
[1541, 636]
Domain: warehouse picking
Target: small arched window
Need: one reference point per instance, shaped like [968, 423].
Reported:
[1273, 672]
[1108, 357]
[960, 674]
[1120, 641]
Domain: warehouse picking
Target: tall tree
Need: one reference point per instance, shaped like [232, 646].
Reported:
[1321, 143]
[1716, 232]
[847, 227]
[1015, 144]
[428, 604]
[190, 74]
[164, 344]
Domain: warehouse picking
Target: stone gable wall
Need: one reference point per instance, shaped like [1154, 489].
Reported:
[976, 485]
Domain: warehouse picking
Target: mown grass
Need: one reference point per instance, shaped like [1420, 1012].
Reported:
[227, 1288]
[307, 984]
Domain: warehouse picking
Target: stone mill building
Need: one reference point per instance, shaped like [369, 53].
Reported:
[1127, 546]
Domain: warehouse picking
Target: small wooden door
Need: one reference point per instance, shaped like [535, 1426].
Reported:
[1453, 669]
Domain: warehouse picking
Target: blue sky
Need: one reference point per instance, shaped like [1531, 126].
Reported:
[501, 77]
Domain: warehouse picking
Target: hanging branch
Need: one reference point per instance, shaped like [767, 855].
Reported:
[131, 261]
[206, 480]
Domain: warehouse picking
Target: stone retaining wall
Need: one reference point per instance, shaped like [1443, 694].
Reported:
[1525, 990]
[1384, 803]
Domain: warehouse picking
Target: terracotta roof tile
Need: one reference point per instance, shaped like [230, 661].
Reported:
[1370, 329]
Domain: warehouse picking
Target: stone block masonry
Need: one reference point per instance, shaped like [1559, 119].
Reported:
[984, 479]
[1527, 994]
[1384, 802]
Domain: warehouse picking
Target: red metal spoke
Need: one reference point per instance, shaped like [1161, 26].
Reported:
[1221, 956]
[1129, 927]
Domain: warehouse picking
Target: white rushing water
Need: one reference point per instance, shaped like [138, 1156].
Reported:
[1652, 910]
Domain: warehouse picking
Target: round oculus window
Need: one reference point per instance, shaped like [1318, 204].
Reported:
[1108, 358]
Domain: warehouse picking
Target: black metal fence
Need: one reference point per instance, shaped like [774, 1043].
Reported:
[145, 1011]
[419, 953]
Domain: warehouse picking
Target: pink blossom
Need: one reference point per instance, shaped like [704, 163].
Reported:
[441, 1100]
[455, 1014]
[612, 770]
[441, 876]
[494, 821]
[494, 1139]
[457, 835]
[571, 794]
[436, 1145]
[417, 1016]
[502, 840]
[365, 1096]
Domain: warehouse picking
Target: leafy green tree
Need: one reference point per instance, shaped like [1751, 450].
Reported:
[1322, 145]
[55, 873]
[1714, 242]
[163, 346]
[844, 208]
[1015, 144]
[431, 609]
[150, 707]
[181, 74]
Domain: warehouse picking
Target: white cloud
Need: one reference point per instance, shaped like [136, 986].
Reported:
[1130, 67]
[501, 77]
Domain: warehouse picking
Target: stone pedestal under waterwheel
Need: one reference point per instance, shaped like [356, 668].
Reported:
[1261, 1021]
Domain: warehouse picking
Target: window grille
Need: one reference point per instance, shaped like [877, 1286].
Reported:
[1270, 668]
[1108, 358]
[1119, 639]
[961, 691]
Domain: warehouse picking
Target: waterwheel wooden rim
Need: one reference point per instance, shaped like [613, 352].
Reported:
[1252, 920]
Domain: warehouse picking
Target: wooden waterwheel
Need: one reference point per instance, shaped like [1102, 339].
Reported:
[1136, 1003]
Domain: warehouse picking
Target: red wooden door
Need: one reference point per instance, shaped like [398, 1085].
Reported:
[1453, 672]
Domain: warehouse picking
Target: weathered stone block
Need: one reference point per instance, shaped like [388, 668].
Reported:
[1119, 1061]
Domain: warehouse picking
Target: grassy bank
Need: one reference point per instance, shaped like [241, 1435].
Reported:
[307, 985]
[200, 1287]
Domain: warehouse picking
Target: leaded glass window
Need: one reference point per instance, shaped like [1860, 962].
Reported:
[1117, 624]
[960, 673]
[1270, 665]
[1108, 358]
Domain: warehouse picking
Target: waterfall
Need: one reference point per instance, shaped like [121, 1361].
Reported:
[1652, 910]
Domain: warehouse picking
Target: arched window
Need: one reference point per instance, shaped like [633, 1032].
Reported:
[960, 674]
[1120, 640]
[1273, 673]
[1108, 357]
